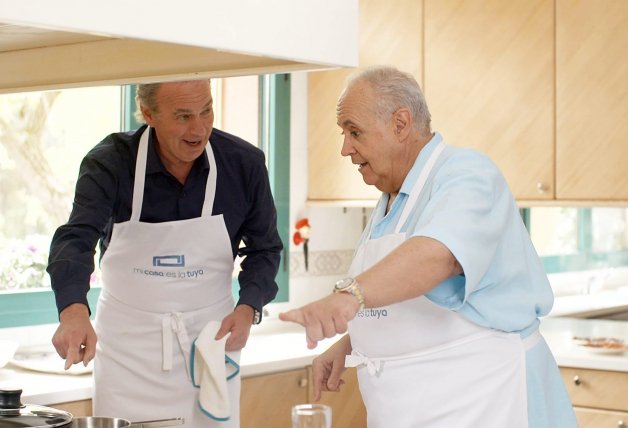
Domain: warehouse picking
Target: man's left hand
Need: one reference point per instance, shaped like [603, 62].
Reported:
[238, 323]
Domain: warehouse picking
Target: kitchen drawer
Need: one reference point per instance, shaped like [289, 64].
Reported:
[77, 408]
[593, 418]
[597, 388]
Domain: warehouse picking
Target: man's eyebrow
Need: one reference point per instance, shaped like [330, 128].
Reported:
[347, 122]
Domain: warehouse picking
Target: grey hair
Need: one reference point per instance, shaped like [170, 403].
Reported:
[146, 96]
[395, 89]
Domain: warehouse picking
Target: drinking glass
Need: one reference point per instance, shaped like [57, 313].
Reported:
[311, 416]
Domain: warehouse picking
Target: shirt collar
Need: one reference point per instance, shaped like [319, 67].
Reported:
[154, 165]
[419, 163]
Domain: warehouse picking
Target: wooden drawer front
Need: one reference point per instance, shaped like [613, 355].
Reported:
[592, 418]
[77, 408]
[597, 388]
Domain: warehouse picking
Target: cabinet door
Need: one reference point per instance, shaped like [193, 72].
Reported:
[592, 99]
[390, 33]
[266, 401]
[347, 406]
[593, 418]
[489, 84]
[596, 388]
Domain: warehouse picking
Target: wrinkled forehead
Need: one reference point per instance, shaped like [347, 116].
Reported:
[356, 101]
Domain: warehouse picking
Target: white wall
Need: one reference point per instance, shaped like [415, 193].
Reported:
[334, 230]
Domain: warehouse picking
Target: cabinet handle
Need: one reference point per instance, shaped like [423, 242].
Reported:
[576, 380]
[541, 187]
[621, 424]
[303, 382]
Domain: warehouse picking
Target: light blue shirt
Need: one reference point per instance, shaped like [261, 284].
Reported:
[466, 205]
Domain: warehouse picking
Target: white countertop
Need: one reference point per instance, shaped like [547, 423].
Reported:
[271, 348]
[275, 346]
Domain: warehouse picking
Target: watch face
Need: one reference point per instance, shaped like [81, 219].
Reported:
[344, 283]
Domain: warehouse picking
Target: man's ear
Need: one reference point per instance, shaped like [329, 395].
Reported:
[402, 122]
[148, 114]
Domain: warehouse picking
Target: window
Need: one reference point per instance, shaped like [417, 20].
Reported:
[578, 239]
[43, 138]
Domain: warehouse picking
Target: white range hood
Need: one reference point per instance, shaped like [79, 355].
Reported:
[70, 43]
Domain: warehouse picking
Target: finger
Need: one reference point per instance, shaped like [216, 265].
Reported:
[89, 351]
[311, 344]
[334, 381]
[225, 327]
[295, 315]
[72, 355]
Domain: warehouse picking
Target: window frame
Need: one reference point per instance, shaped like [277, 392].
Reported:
[37, 307]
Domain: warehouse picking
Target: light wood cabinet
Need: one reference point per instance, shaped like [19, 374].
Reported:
[538, 85]
[347, 406]
[592, 99]
[390, 33]
[489, 84]
[598, 396]
[77, 408]
[267, 400]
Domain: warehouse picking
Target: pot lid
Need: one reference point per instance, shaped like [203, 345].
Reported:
[15, 414]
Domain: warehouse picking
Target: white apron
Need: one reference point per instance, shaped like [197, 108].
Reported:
[421, 365]
[162, 283]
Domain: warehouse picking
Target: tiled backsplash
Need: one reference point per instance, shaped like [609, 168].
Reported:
[320, 263]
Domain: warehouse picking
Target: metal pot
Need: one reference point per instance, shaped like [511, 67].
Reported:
[14, 414]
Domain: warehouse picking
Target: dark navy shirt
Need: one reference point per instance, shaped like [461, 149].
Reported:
[104, 192]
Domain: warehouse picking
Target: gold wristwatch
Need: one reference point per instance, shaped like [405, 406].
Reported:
[351, 286]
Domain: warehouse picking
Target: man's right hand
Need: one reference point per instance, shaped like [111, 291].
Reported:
[75, 338]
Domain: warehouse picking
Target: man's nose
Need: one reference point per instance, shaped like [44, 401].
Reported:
[198, 126]
[347, 148]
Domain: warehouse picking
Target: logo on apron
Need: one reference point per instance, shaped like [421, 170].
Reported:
[170, 261]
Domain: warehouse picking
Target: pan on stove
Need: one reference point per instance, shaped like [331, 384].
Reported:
[14, 414]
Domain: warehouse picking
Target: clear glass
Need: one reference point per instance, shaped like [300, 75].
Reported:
[554, 230]
[610, 233]
[311, 416]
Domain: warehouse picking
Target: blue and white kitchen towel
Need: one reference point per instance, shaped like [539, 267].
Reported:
[211, 370]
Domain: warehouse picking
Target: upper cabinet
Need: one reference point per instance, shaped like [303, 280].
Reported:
[390, 33]
[66, 43]
[489, 84]
[540, 86]
[592, 100]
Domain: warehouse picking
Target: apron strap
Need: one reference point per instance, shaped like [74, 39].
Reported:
[140, 178]
[170, 323]
[418, 186]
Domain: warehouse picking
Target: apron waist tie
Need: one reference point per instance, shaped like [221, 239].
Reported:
[173, 322]
[356, 359]
[374, 365]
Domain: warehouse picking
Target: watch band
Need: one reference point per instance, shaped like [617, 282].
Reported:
[351, 286]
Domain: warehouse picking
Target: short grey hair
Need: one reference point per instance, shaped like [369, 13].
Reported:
[146, 96]
[395, 89]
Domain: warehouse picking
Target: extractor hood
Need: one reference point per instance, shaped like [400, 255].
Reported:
[70, 43]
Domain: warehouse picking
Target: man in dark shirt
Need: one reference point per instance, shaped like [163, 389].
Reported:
[171, 212]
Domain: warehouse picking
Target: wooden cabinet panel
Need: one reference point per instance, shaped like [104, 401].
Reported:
[592, 99]
[77, 408]
[347, 406]
[390, 33]
[489, 84]
[267, 400]
[597, 388]
[592, 418]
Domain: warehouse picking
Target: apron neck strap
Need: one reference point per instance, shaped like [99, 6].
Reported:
[418, 186]
[140, 178]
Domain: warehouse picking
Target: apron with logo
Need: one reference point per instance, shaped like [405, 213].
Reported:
[421, 365]
[162, 283]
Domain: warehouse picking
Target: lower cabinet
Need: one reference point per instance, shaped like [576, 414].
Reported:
[266, 400]
[77, 408]
[598, 396]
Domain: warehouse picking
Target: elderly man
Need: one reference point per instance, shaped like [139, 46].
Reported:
[445, 291]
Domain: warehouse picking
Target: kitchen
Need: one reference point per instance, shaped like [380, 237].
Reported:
[542, 175]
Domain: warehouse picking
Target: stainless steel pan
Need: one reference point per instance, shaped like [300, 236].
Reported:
[104, 422]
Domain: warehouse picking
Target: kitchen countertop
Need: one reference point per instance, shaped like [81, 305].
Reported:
[276, 346]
